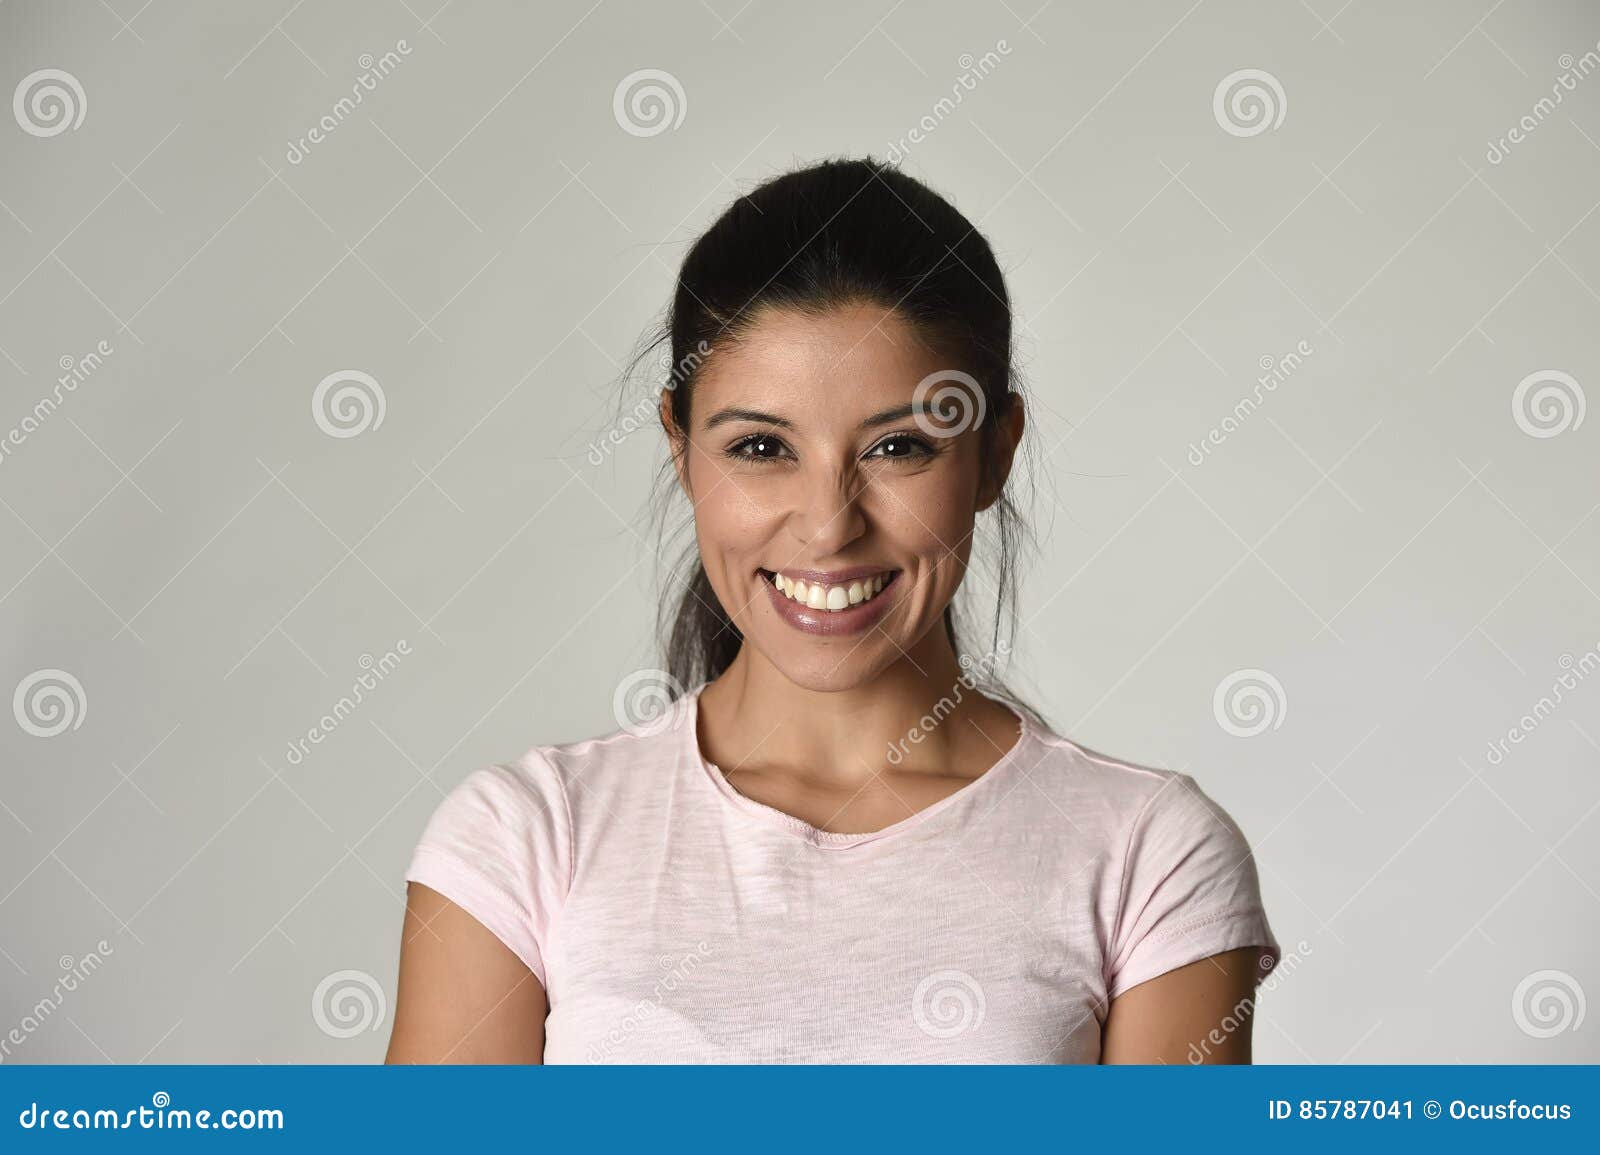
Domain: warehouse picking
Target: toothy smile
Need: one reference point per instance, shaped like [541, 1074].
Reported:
[832, 594]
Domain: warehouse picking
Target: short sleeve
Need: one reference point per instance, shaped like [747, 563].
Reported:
[499, 846]
[1189, 890]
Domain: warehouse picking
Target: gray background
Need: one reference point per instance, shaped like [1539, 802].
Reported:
[1384, 536]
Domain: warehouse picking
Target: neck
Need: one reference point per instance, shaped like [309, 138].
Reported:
[920, 714]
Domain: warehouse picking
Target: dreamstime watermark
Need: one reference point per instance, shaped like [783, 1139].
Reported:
[649, 102]
[679, 974]
[160, 1115]
[1547, 403]
[1275, 371]
[348, 1003]
[1242, 1011]
[953, 397]
[347, 403]
[1249, 102]
[49, 102]
[973, 69]
[1576, 670]
[971, 672]
[75, 371]
[643, 701]
[1249, 702]
[35, 1017]
[375, 671]
[947, 1004]
[682, 370]
[49, 702]
[1548, 1003]
[1572, 71]
[373, 69]
[648, 410]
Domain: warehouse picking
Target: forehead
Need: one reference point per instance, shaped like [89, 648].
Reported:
[847, 359]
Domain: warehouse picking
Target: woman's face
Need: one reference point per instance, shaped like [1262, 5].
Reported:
[834, 517]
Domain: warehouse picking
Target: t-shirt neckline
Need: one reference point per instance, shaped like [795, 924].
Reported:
[689, 727]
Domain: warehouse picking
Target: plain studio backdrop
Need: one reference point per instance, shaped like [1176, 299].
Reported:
[313, 319]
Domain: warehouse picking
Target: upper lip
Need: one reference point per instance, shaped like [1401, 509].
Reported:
[832, 577]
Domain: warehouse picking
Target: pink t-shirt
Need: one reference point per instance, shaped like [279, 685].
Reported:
[671, 919]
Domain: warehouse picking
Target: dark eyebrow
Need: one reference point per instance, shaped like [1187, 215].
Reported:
[723, 416]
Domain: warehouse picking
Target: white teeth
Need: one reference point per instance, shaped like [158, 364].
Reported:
[831, 598]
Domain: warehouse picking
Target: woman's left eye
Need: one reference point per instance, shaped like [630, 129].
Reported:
[903, 447]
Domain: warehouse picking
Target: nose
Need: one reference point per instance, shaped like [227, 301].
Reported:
[828, 514]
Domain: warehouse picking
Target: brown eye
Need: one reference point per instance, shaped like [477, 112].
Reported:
[903, 447]
[758, 447]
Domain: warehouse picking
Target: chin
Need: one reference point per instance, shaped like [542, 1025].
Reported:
[830, 670]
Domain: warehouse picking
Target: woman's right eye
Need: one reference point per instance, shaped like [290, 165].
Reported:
[758, 447]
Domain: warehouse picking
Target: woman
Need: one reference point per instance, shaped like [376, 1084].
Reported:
[831, 847]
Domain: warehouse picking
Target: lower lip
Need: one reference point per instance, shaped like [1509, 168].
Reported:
[854, 620]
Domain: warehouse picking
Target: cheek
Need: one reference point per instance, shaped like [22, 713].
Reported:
[930, 515]
[929, 526]
[925, 524]
[732, 510]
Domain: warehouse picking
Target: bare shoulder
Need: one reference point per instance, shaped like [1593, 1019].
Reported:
[1199, 1013]
[464, 996]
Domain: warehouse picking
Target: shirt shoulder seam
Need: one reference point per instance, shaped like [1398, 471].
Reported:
[544, 753]
[1122, 875]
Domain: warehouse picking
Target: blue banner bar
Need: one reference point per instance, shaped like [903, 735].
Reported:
[761, 1109]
